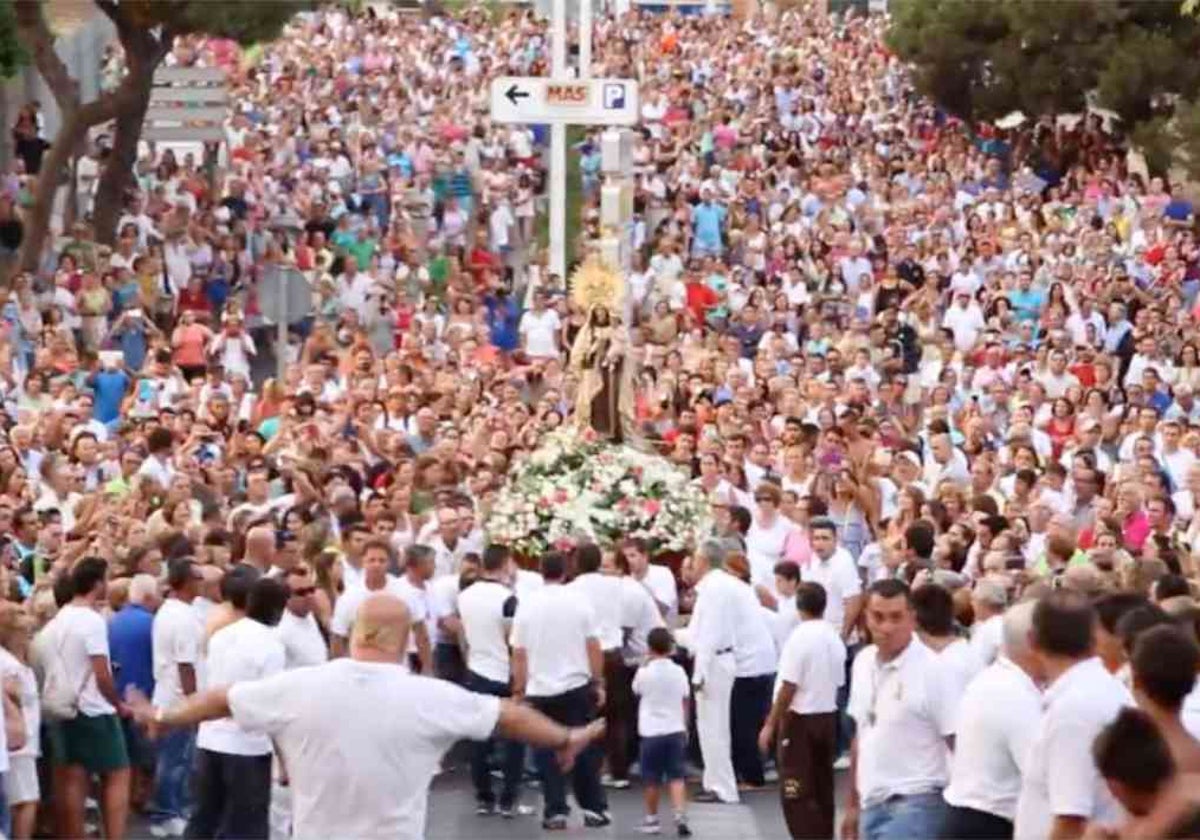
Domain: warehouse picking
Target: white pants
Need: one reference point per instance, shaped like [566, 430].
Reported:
[712, 723]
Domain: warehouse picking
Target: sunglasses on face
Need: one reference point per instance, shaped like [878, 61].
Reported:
[304, 591]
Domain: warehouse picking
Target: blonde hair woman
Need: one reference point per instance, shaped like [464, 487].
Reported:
[21, 781]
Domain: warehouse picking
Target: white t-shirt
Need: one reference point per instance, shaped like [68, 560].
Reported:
[178, 638]
[83, 635]
[539, 330]
[603, 592]
[553, 626]
[662, 686]
[813, 660]
[661, 583]
[996, 721]
[986, 638]
[959, 664]
[373, 723]
[764, 549]
[31, 708]
[346, 608]
[1061, 778]
[303, 644]
[486, 608]
[840, 578]
[245, 650]
[903, 715]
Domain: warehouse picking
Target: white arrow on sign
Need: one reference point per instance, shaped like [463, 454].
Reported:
[536, 99]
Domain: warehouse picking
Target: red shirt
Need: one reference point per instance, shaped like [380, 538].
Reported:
[700, 298]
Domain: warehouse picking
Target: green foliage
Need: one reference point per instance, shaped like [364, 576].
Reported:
[1139, 58]
[981, 60]
[244, 22]
[12, 53]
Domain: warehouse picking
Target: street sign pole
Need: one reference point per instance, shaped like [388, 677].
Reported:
[585, 39]
[558, 146]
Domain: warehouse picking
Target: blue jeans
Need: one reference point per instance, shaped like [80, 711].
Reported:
[573, 708]
[172, 774]
[903, 817]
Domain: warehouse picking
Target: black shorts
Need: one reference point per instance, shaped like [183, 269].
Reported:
[662, 758]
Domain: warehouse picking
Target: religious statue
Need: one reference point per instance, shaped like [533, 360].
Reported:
[604, 395]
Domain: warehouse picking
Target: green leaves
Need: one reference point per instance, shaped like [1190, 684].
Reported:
[982, 60]
[12, 53]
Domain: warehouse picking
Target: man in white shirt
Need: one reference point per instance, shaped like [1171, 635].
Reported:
[233, 765]
[988, 600]
[712, 638]
[755, 659]
[601, 588]
[803, 718]
[90, 743]
[329, 726]
[303, 644]
[956, 659]
[178, 644]
[658, 580]
[376, 557]
[898, 756]
[833, 568]
[997, 718]
[558, 664]
[486, 609]
[1061, 790]
[411, 586]
[539, 329]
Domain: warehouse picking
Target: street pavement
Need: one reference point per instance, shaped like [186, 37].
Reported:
[452, 815]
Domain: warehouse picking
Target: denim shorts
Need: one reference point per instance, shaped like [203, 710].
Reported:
[662, 758]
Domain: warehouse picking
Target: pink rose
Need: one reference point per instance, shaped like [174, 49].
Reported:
[652, 507]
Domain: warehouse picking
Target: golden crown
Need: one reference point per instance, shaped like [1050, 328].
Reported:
[595, 284]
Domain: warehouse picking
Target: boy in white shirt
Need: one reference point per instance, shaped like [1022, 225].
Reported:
[663, 689]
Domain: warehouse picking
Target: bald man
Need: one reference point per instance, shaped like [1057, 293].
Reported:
[361, 736]
[260, 548]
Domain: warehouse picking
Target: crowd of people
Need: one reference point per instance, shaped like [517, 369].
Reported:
[938, 381]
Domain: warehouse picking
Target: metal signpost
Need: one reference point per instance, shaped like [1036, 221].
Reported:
[560, 100]
[285, 297]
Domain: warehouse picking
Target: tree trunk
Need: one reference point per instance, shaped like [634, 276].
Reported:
[37, 220]
[118, 170]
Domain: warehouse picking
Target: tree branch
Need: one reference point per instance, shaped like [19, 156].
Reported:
[35, 31]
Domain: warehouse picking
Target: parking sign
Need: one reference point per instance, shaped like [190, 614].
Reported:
[614, 96]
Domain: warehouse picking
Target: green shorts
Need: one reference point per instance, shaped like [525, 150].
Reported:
[95, 743]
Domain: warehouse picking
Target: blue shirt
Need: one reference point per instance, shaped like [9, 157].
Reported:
[131, 648]
[1027, 304]
[504, 316]
[707, 219]
[108, 387]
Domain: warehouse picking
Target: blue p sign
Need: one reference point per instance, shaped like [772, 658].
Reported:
[614, 97]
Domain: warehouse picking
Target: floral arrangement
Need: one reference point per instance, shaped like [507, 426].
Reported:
[577, 487]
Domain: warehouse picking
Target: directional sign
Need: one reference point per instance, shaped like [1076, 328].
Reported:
[535, 99]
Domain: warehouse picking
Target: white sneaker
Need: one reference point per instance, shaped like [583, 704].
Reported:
[842, 763]
[651, 825]
[172, 827]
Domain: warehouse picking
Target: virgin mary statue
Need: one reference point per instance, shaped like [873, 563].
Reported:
[604, 395]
